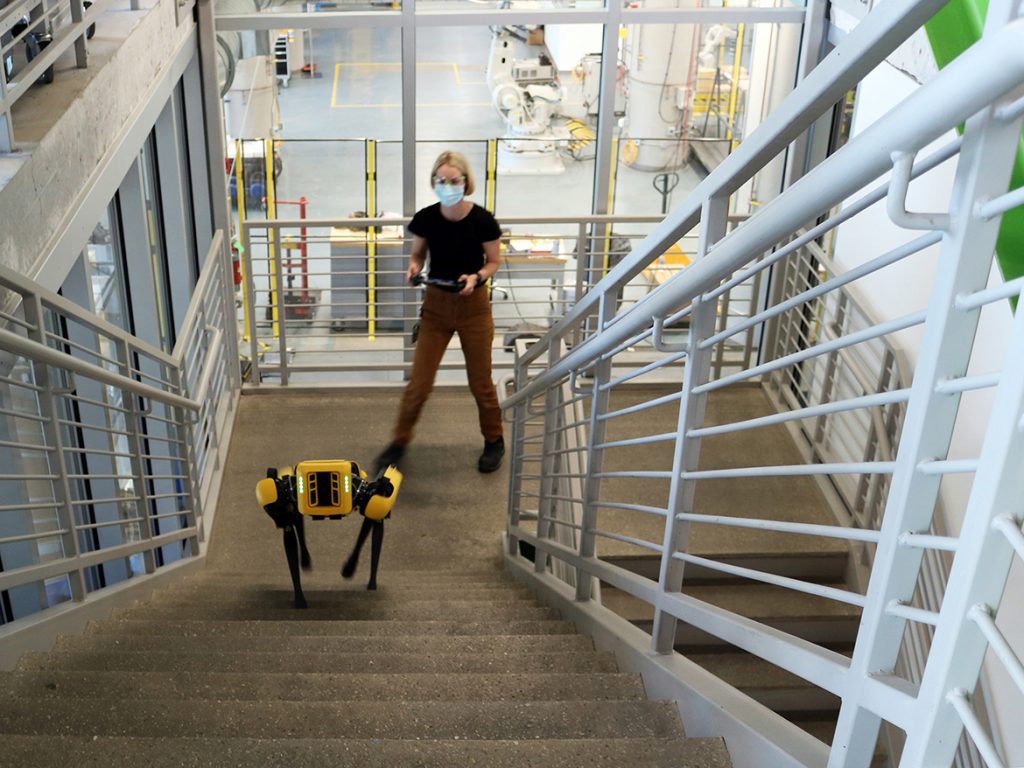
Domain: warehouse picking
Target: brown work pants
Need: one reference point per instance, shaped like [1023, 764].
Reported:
[444, 314]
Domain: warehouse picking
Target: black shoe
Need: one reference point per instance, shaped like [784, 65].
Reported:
[390, 456]
[490, 459]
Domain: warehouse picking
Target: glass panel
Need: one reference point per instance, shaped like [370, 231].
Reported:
[106, 274]
[154, 232]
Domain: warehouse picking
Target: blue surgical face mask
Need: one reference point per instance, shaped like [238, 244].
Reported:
[449, 195]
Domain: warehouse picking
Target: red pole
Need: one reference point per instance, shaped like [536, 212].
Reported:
[302, 248]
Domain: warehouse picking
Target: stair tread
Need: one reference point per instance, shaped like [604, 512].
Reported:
[329, 686]
[746, 671]
[478, 644]
[320, 662]
[332, 628]
[350, 720]
[751, 600]
[283, 611]
[90, 752]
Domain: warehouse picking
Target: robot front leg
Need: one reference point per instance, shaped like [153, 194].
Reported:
[348, 570]
[291, 553]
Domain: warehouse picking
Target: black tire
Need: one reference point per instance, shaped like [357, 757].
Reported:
[47, 76]
[92, 27]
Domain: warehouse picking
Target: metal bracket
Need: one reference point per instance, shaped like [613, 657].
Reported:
[658, 341]
[896, 200]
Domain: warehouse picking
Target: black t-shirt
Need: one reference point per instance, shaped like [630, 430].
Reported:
[455, 247]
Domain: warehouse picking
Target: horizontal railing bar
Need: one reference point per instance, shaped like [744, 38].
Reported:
[929, 541]
[807, 588]
[567, 499]
[38, 536]
[796, 470]
[563, 523]
[33, 505]
[65, 341]
[778, 526]
[982, 616]
[1010, 528]
[168, 515]
[664, 475]
[109, 523]
[670, 359]
[632, 507]
[21, 415]
[29, 477]
[809, 412]
[44, 354]
[1012, 111]
[674, 397]
[97, 451]
[86, 426]
[629, 540]
[1000, 205]
[27, 446]
[818, 350]
[98, 476]
[958, 698]
[41, 571]
[1007, 290]
[115, 500]
[21, 384]
[947, 466]
[650, 439]
[833, 283]
[76, 398]
[901, 610]
[967, 384]
[14, 320]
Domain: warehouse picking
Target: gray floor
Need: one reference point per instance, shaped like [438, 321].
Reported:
[356, 94]
[448, 514]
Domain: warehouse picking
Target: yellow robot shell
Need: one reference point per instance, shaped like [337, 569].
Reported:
[379, 507]
[324, 488]
[266, 491]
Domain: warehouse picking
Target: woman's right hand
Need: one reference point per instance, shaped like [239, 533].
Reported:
[413, 270]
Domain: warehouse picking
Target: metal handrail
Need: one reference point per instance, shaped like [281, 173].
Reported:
[725, 258]
[916, 122]
[44, 354]
[188, 426]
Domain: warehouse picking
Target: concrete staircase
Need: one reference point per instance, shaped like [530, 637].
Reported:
[437, 668]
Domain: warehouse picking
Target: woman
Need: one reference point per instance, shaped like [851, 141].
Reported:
[461, 240]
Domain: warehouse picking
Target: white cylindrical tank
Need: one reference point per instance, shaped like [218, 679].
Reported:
[660, 65]
[250, 106]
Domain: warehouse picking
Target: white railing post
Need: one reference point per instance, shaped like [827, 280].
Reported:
[546, 504]
[596, 432]
[686, 457]
[50, 412]
[963, 267]
[133, 426]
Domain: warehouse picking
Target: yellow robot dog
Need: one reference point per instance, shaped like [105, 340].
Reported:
[327, 490]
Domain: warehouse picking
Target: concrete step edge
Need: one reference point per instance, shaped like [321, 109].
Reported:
[299, 686]
[226, 752]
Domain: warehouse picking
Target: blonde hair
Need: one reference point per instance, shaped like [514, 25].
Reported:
[460, 163]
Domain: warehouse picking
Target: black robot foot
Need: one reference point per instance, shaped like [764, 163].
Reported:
[348, 570]
[300, 602]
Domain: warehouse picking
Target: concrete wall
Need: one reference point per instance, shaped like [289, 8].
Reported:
[38, 204]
